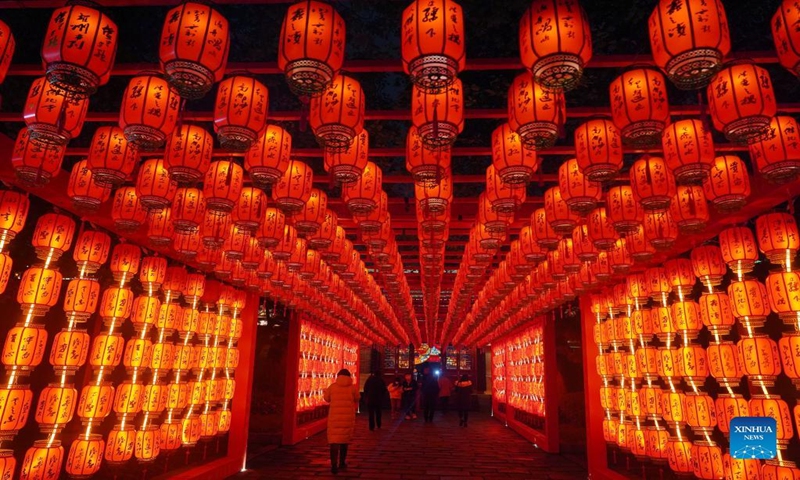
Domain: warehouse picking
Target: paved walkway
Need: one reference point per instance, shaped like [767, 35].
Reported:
[486, 450]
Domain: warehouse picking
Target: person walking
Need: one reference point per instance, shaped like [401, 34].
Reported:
[375, 392]
[430, 394]
[445, 388]
[410, 388]
[342, 395]
[396, 394]
[463, 394]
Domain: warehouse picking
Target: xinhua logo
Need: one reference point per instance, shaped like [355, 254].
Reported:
[753, 437]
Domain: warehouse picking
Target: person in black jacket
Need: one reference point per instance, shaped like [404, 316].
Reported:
[463, 396]
[430, 394]
[409, 396]
[375, 391]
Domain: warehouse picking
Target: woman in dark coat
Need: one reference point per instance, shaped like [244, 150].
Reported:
[463, 395]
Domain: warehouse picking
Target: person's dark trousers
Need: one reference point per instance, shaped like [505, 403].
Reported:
[338, 450]
[445, 404]
[462, 417]
[429, 404]
[408, 405]
[374, 416]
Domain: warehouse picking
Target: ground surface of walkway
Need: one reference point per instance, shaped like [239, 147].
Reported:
[486, 450]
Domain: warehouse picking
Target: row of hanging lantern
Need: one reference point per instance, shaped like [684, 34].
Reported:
[322, 354]
[518, 371]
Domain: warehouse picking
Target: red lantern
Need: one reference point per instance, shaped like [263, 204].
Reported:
[160, 228]
[728, 184]
[660, 229]
[688, 150]
[249, 209]
[689, 209]
[337, 116]
[535, 113]
[361, 197]
[543, 232]
[53, 236]
[601, 230]
[598, 150]
[91, 251]
[193, 67]
[373, 221]
[749, 301]
[505, 198]
[738, 249]
[639, 105]
[778, 237]
[111, 159]
[435, 199]
[555, 55]
[154, 186]
[708, 265]
[691, 56]
[271, 228]
[561, 218]
[188, 209]
[149, 111]
[582, 242]
[13, 213]
[783, 292]
[765, 405]
[741, 102]
[433, 47]
[513, 161]
[294, 188]
[346, 166]
[268, 158]
[652, 183]
[530, 248]
[438, 115]
[789, 346]
[222, 186]
[7, 45]
[52, 117]
[188, 154]
[86, 194]
[311, 46]
[43, 461]
[580, 194]
[240, 112]
[79, 49]
[35, 163]
[715, 311]
[624, 211]
[779, 470]
[777, 154]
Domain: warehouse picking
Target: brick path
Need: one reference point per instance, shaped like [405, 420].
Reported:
[486, 450]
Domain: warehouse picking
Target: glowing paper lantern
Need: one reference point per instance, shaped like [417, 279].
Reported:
[728, 184]
[561, 218]
[580, 193]
[271, 229]
[188, 154]
[624, 211]
[435, 199]
[13, 213]
[653, 183]
[433, 43]
[513, 161]
[51, 117]
[639, 105]
[311, 46]
[759, 360]
[535, 113]
[194, 62]
[689, 41]
[111, 159]
[741, 102]
[160, 228]
[80, 301]
[337, 115]
[689, 209]
[188, 209]
[688, 150]
[268, 159]
[154, 186]
[361, 197]
[438, 115]
[346, 166]
[598, 149]
[7, 45]
[293, 189]
[79, 49]
[240, 112]
[601, 230]
[43, 461]
[149, 111]
[777, 153]
[505, 199]
[35, 163]
[39, 290]
[222, 186]
[555, 55]
[86, 194]
[53, 236]
[738, 249]
[778, 237]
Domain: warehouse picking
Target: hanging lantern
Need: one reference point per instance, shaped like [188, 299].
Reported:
[543, 232]
[188, 154]
[582, 242]
[14, 208]
[580, 194]
[779, 470]
[111, 159]
[7, 45]
[346, 165]
[557, 54]
[125, 260]
[267, 160]
[435, 199]
[708, 265]
[337, 116]
[776, 154]
[373, 221]
[619, 258]
[149, 111]
[194, 63]
[778, 237]
[127, 212]
[688, 150]
[433, 47]
[311, 46]
[784, 35]
[283, 249]
[294, 188]
[24, 346]
[505, 198]
[738, 249]
[749, 301]
[249, 209]
[624, 211]
[95, 402]
[154, 186]
[639, 245]
[715, 311]
[728, 184]
[689, 209]
[53, 236]
[160, 228]
[660, 229]
[51, 117]
[186, 244]
[240, 112]
[535, 113]
[55, 407]
[5, 270]
[71, 67]
[689, 42]
[313, 213]
[561, 218]
[513, 161]
[86, 194]
[91, 251]
[491, 220]
[782, 292]
[765, 405]
[741, 102]
[271, 229]
[639, 106]
[438, 115]
[789, 346]
[34, 163]
[15, 407]
[601, 229]
[530, 248]
[653, 183]
[598, 150]
[222, 186]
[188, 209]
[43, 461]
[361, 197]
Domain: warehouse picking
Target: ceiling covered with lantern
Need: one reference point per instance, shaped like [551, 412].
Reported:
[429, 171]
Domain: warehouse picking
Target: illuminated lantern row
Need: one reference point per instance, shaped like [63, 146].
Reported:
[311, 46]
[433, 43]
[557, 55]
[194, 63]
